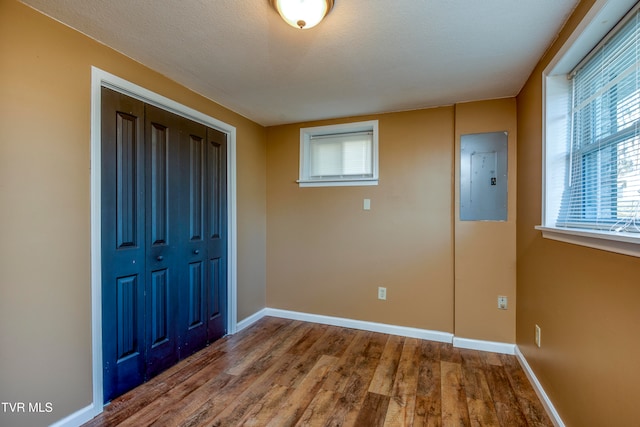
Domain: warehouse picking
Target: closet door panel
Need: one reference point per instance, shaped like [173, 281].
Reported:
[123, 238]
[216, 240]
[193, 325]
[162, 214]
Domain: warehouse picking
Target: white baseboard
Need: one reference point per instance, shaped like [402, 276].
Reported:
[404, 331]
[248, 321]
[492, 346]
[79, 417]
[542, 395]
[362, 325]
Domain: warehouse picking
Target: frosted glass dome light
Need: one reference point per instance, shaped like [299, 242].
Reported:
[303, 14]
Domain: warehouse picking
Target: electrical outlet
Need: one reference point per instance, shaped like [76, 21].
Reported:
[502, 302]
[538, 333]
[382, 293]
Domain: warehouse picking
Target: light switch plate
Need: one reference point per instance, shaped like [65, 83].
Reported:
[502, 302]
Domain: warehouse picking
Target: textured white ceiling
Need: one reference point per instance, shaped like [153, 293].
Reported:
[368, 56]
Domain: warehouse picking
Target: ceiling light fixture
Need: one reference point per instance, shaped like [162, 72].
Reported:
[303, 14]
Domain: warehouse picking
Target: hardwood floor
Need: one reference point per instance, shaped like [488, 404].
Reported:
[281, 372]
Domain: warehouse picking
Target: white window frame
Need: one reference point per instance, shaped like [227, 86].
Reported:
[305, 180]
[556, 87]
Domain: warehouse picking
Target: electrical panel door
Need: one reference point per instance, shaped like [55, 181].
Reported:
[483, 177]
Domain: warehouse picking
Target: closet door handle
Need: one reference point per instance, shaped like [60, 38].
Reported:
[160, 258]
[196, 251]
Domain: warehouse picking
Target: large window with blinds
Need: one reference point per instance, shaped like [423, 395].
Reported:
[591, 189]
[603, 188]
[339, 155]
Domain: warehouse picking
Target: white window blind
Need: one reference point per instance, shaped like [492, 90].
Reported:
[341, 156]
[603, 182]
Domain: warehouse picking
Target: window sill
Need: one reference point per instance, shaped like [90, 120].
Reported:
[622, 243]
[337, 182]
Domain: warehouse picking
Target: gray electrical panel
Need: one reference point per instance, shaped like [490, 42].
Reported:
[483, 177]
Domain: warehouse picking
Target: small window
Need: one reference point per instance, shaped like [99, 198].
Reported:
[339, 155]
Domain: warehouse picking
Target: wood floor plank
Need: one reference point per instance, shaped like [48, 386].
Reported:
[428, 392]
[505, 401]
[471, 358]
[207, 403]
[474, 375]
[200, 404]
[339, 375]
[276, 361]
[260, 348]
[262, 412]
[236, 411]
[482, 413]
[491, 358]
[136, 400]
[336, 342]
[293, 408]
[449, 353]
[531, 406]
[427, 412]
[382, 382]
[266, 370]
[305, 343]
[374, 410]
[333, 342]
[454, 400]
[282, 372]
[249, 337]
[347, 407]
[403, 395]
[319, 410]
[482, 410]
[173, 399]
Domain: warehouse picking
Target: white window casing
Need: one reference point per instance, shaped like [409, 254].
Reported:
[339, 155]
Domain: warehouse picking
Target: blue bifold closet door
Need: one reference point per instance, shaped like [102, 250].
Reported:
[163, 205]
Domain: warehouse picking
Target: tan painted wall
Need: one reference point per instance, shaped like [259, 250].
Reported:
[326, 255]
[585, 300]
[45, 302]
[485, 251]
